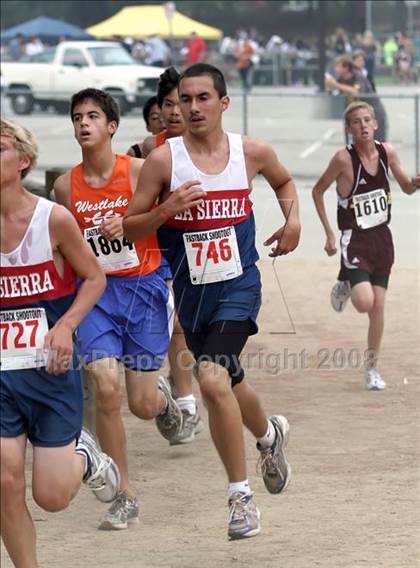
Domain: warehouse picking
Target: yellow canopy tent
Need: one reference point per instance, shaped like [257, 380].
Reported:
[142, 21]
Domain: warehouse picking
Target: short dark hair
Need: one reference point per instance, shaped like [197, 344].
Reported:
[345, 61]
[147, 108]
[104, 100]
[168, 81]
[200, 69]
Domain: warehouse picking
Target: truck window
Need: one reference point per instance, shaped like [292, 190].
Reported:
[74, 57]
[46, 56]
[110, 55]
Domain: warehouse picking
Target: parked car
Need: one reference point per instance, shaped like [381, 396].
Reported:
[51, 77]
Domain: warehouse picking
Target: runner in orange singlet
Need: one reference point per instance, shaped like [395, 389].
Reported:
[129, 324]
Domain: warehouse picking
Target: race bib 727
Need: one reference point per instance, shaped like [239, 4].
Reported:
[22, 334]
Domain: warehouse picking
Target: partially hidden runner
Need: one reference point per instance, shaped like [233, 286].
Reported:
[207, 230]
[154, 125]
[180, 359]
[132, 321]
[41, 388]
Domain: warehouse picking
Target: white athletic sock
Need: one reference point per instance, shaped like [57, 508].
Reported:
[268, 439]
[187, 403]
[239, 487]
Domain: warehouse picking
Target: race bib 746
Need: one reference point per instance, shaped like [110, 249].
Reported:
[213, 256]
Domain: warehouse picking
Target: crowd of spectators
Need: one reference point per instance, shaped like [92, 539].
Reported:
[292, 60]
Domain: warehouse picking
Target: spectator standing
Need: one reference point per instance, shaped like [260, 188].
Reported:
[17, 47]
[389, 49]
[34, 46]
[340, 42]
[370, 48]
[359, 62]
[197, 48]
[158, 52]
[244, 54]
[349, 81]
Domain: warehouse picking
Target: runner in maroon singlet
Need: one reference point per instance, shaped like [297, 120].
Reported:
[364, 211]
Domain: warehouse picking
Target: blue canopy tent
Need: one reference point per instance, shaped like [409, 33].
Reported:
[47, 29]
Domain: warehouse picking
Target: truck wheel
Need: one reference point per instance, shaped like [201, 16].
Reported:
[62, 107]
[121, 100]
[22, 103]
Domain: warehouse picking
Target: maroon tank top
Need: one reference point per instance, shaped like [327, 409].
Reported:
[369, 203]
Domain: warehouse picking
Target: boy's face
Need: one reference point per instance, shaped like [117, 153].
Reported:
[171, 114]
[91, 126]
[201, 106]
[359, 62]
[11, 162]
[362, 125]
[154, 122]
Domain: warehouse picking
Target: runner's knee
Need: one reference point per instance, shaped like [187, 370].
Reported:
[107, 392]
[362, 305]
[12, 488]
[52, 497]
[213, 381]
[146, 407]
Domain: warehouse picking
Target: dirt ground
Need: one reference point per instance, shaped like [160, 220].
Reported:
[354, 492]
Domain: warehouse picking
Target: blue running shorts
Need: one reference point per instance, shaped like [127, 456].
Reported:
[48, 408]
[131, 322]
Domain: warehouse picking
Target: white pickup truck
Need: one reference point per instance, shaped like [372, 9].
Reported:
[50, 78]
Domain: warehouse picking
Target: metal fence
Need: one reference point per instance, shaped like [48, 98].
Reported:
[304, 127]
[303, 124]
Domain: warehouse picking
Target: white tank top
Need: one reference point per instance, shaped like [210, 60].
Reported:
[28, 274]
[35, 246]
[233, 177]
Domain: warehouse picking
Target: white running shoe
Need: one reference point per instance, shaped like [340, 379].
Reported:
[374, 381]
[124, 511]
[340, 294]
[169, 423]
[244, 516]
[103, 476]
[192, 425]
[273, 464]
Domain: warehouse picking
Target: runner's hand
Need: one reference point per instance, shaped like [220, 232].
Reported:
[330, 247]
[186, 196]
[112, 228]
[287, 238]
[59, 344]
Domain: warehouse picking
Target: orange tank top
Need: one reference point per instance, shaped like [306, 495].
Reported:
[161, 138]
[91, 205]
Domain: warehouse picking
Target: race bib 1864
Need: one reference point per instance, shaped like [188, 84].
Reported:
[213, 256]
[371, 209]
[22, 338]
[117, 254]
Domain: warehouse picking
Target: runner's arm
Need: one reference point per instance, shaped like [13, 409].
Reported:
[281, 181]
[408, 185]
[62, 190]
[332, 84]
[148, 145]
[67, 238]
[331, 174]
[141, 218]
[112, 228]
